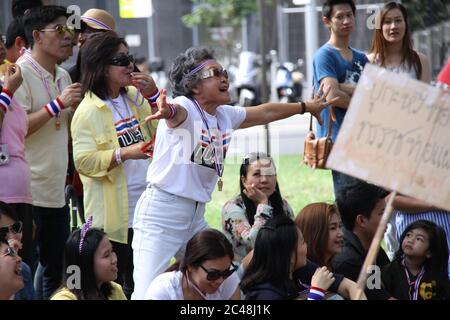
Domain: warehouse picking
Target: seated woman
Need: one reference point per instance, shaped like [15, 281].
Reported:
[91, 251]
[259, 200]
[278, 269]
[10, 273]
[205, 273]
[321, 226]
[11, 230]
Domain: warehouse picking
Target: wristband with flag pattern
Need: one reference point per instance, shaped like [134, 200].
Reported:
[5, 99]
[54, 107]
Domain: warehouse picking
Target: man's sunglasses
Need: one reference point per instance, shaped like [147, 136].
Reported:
[213, 275]
[61, 29]
[14, 228]
[10, 252]
[214, 72]
[122, 60]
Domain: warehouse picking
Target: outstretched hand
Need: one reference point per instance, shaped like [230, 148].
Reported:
[319, 102]
[163, 108]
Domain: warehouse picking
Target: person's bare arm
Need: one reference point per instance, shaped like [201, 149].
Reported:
[173, 114]
[268, 112]
[70, 98]
[426, 68]
[411, 205]
[336, 97]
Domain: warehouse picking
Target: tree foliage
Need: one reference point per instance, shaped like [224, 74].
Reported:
[219, 13]
[423, 14]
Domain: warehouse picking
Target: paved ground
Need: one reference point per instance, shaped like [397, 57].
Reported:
[287, 137]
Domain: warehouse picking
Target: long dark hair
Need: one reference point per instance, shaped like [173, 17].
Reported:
[275, 200]
[85, 261]
[97, 51]
[438, 262]
[275, 245]
[409, 55]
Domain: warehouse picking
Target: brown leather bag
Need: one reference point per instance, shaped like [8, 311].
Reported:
[316, 151]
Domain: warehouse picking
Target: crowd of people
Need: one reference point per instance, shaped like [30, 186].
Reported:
[144, 166]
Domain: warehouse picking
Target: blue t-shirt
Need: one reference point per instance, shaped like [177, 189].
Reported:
[328, 62]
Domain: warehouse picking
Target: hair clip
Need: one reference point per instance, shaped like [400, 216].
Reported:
[84, 231]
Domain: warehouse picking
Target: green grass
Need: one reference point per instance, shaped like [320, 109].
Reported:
[299, 185]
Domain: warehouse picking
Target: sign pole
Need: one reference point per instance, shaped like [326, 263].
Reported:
[375, 245]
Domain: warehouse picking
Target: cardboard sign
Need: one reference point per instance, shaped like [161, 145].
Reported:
[396, 134]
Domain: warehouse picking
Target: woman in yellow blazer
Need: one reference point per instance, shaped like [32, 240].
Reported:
[111, 141]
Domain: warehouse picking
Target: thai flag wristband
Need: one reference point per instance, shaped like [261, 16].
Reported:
[153, 97]
[54, 107]
[173, 111]
[5, 99]
[316, 293]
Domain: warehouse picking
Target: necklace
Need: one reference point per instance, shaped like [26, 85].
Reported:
[126, 121]
[218, 165]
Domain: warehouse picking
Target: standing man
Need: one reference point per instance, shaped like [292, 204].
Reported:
[48, 97]
[338, 66]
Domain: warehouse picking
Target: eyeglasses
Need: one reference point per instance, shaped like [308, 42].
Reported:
[122, 60]
[214, 72]
[14, 228]
[10, 252]
[61, 29]
[216, 274]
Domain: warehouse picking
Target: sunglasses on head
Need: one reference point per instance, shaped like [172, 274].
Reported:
[14, 228]
[122, 60]
[213, 275]
[61, 29]
[10, 252]
[214, 72]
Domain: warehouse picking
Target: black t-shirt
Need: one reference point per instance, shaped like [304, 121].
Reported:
[302, 281]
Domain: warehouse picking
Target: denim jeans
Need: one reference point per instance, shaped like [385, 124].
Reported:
[53, 231]
[163, 224]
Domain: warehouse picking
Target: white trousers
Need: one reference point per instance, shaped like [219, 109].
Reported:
[163, 224]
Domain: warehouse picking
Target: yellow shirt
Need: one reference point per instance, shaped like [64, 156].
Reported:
[66, 294]
[94, 139]
[46, 150]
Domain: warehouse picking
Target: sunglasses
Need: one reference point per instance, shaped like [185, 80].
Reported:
[13, 228]
[61, 29]
[122, 60]
[10, 252]
[214, 72]
[215, 274]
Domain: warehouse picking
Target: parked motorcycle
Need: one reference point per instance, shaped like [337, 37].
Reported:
[289, 83]
[247, 79]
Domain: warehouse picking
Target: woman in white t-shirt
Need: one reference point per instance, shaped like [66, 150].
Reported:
[109, 136]
[205, 273]
[189, 153]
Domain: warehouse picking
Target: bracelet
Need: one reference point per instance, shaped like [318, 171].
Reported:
[302, 107]
[118, 158]
[54, 107]
[153, 97]
[5, 100]
[173, 111]
[316, 293]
